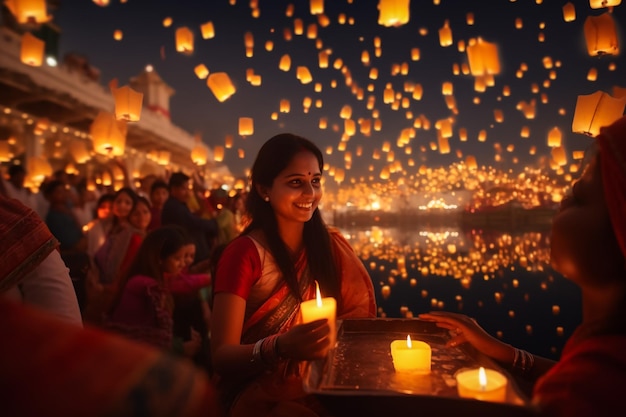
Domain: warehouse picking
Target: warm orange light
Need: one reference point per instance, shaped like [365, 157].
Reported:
[184, 40]
[32, 50]
[221, 86]
[128, 103]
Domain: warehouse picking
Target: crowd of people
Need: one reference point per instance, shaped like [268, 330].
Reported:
[191, 304]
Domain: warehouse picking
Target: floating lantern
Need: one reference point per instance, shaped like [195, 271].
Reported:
[218, 153]
[285, 106]
[316, 6]
[207, 30]
[184, 40]
[78, 150]
[304, 75]
[600, 4]
[201, 71]
[118, 35]
[32, 50]
[29, 11]
[554, 137]
[221, 86]
[322, 57]
[199, 154]
[600, 35]
[246, 126]
[127, 104]
[164, 158]
[470, 162]
[393, 12]
[445, 34]
[167, 22]
[483, 58]
[101, 3]
[596, 110]
[108, 134]
[285, 63]
[569, 12]
[559, 156]
[38, 168]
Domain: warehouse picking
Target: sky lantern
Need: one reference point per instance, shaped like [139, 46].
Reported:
[118, 35]
[525, 132]
[248, 41]
[184, 40]
[304, 75]
[559, 155]
[221, 86]
[483, 58]
[445, 34]
[569, 12]
[601, 35]
[207, 30]
[164, 158]
[298, 26]
[470, 161]
[246, 126]
[38, 168]
[316, 6]
[600, 4]
[285, 63]
[349, 127]
[463, 134]
[108, 134]
[447, 88]
[498, 115]
[78, 150]
[218, 153]
[592, 75]
[555, 137]
[29, 11]
[101, 3]
[415, 54]
[32, 50]
[167, 22]
[444, 145]
[285, 106]
[596, 110]
[228, 141]
[201, 71]
[482, 135]
[311, 31]
[322, 58]
[393, 12]
[128, 103]
[519, 23]
[199, 154]
[469, 18]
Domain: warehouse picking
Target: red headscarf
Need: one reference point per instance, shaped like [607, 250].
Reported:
[612, 143]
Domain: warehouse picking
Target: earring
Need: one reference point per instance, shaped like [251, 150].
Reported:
[267, 198]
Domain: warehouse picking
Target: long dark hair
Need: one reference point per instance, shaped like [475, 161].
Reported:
[130, 193]
[158, 244]
[272, 159]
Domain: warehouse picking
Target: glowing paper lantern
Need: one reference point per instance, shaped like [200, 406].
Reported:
[199, 154]
[246, 126]
[218, 153]
[221, 86]
[201, 71]
[78, 150]
[184, 40]
[207, 30]
[483, 58]
[599, 4]
[393, 12]
[29, 11]
[554, 137]
[559, 156]
[596, 110]
[316, 6]
[108, 134]
[38, 168]
[128, 104]
[304, 75]
[285, 63]
[445, 34]
[470, 161]
[569, 12]
[118, 35]
[600, 35]
[32, 49]
[167, 22]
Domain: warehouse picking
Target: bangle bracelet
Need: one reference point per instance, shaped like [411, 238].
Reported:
[256, 351]
[523, 361]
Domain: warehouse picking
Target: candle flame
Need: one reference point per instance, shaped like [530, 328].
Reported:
[482, 378]
[408, 341]
[318, 295]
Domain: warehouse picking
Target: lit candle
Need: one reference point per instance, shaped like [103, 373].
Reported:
[482, 384]
[411, 356]
[321, 308]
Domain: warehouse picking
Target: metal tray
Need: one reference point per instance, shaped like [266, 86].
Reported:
[358, 374]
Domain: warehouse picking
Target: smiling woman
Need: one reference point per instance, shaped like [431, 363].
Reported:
[258, 340]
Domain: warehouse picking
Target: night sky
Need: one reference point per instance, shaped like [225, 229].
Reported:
[88, 30]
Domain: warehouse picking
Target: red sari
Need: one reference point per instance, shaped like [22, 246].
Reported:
[588, 380]
[272, 309]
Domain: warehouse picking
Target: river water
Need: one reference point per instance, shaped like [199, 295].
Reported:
[503, 279]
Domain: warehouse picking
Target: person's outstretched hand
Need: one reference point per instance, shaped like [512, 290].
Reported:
[307, 341]
[465, 329]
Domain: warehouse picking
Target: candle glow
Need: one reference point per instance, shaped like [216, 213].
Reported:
[321, 308]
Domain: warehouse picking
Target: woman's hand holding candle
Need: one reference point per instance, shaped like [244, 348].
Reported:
[321, 308]
[304, 342]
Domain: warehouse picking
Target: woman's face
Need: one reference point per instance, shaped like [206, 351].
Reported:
[122, 205]
[159, 196]
[190, 253]
[583, 244]
[175, 263]
[140, 216]
[297, 190]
